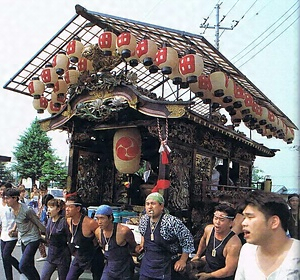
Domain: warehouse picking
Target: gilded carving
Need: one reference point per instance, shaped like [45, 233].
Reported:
[45, 125]
[67, 113]
[176, 110]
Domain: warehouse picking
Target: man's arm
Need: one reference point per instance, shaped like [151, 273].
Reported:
[34, 218]
[231, 253]
[202, 243]
[129, 237]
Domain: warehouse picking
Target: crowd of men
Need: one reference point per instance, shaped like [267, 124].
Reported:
[261, 242]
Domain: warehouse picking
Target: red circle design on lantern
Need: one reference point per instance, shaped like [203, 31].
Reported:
[127, 148]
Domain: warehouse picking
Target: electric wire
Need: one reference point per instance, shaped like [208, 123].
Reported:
[270, 42]
[152, 9]
[204, 25]
[227, 15]
[268, 29]
[257, 13]
[237, 22]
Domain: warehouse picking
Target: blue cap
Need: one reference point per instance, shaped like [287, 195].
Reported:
[104, 210]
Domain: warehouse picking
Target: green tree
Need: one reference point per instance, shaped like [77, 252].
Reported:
[5, 173]
[30, 152]
[53, 170]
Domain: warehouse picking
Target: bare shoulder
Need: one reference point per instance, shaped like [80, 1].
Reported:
[234, 243]
[69, 221]
[90, 223]
[124, 230]
[208, 229]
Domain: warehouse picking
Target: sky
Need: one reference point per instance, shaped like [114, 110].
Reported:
[264, 45]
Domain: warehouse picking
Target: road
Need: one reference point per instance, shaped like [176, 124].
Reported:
[39, 265]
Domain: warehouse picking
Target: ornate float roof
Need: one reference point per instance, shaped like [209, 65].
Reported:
[88, 26]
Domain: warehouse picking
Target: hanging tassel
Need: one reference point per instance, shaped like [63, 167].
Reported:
[163, 181]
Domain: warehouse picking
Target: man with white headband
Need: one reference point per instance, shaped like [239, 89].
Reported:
[83, 244]
[166, 241]
[221, 245]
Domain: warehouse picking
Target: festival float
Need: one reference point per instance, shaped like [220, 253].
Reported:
[148, 108]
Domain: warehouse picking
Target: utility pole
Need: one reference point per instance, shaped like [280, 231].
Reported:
[217, 26]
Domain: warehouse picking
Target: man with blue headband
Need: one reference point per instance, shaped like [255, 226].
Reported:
[166, 241]
[117, 242]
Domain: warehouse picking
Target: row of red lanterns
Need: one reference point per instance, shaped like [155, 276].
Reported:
[219, 90]
[58, 75]
[186, 68]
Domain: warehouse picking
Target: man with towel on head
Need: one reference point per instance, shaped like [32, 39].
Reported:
[167, 242]
[117, 241]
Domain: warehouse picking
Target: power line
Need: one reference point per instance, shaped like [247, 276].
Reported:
[270, 42]
[205, 24]
[268, 29]
[217, 26]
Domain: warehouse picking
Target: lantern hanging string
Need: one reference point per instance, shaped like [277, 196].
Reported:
[159, 131]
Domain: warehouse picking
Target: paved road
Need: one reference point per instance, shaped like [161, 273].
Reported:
[39, 265]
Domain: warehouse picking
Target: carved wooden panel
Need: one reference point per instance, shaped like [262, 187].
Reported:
[244, 176]
[181, 173]
[94, 178]
[202, 172]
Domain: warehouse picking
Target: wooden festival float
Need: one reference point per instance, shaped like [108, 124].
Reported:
[120, 88]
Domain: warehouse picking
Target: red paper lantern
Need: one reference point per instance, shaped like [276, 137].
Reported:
[107, 42]
[60, 86]
[49, 75]
[280, 128]
[71, 76]
[246, 108]
[126, 43]
[262, 115]
[219, 83]
[36, 87]
[127, 150]
[40, 104]
[74, 50]
[85, 64]
[271, 121]
[166, 59]
[58, 99]
[202, 88]
[227, 99]
[152, 68]
[61, 63]
[133, 60]
[239, 96]
[191, 66]
[267, 132]
[52, 108]
[236, 117]
[146, 51]
[176, 76]
[289, 135]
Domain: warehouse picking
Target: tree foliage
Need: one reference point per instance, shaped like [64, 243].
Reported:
[5, 173]
[257, 176]
[32, 152]
[53, 170]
